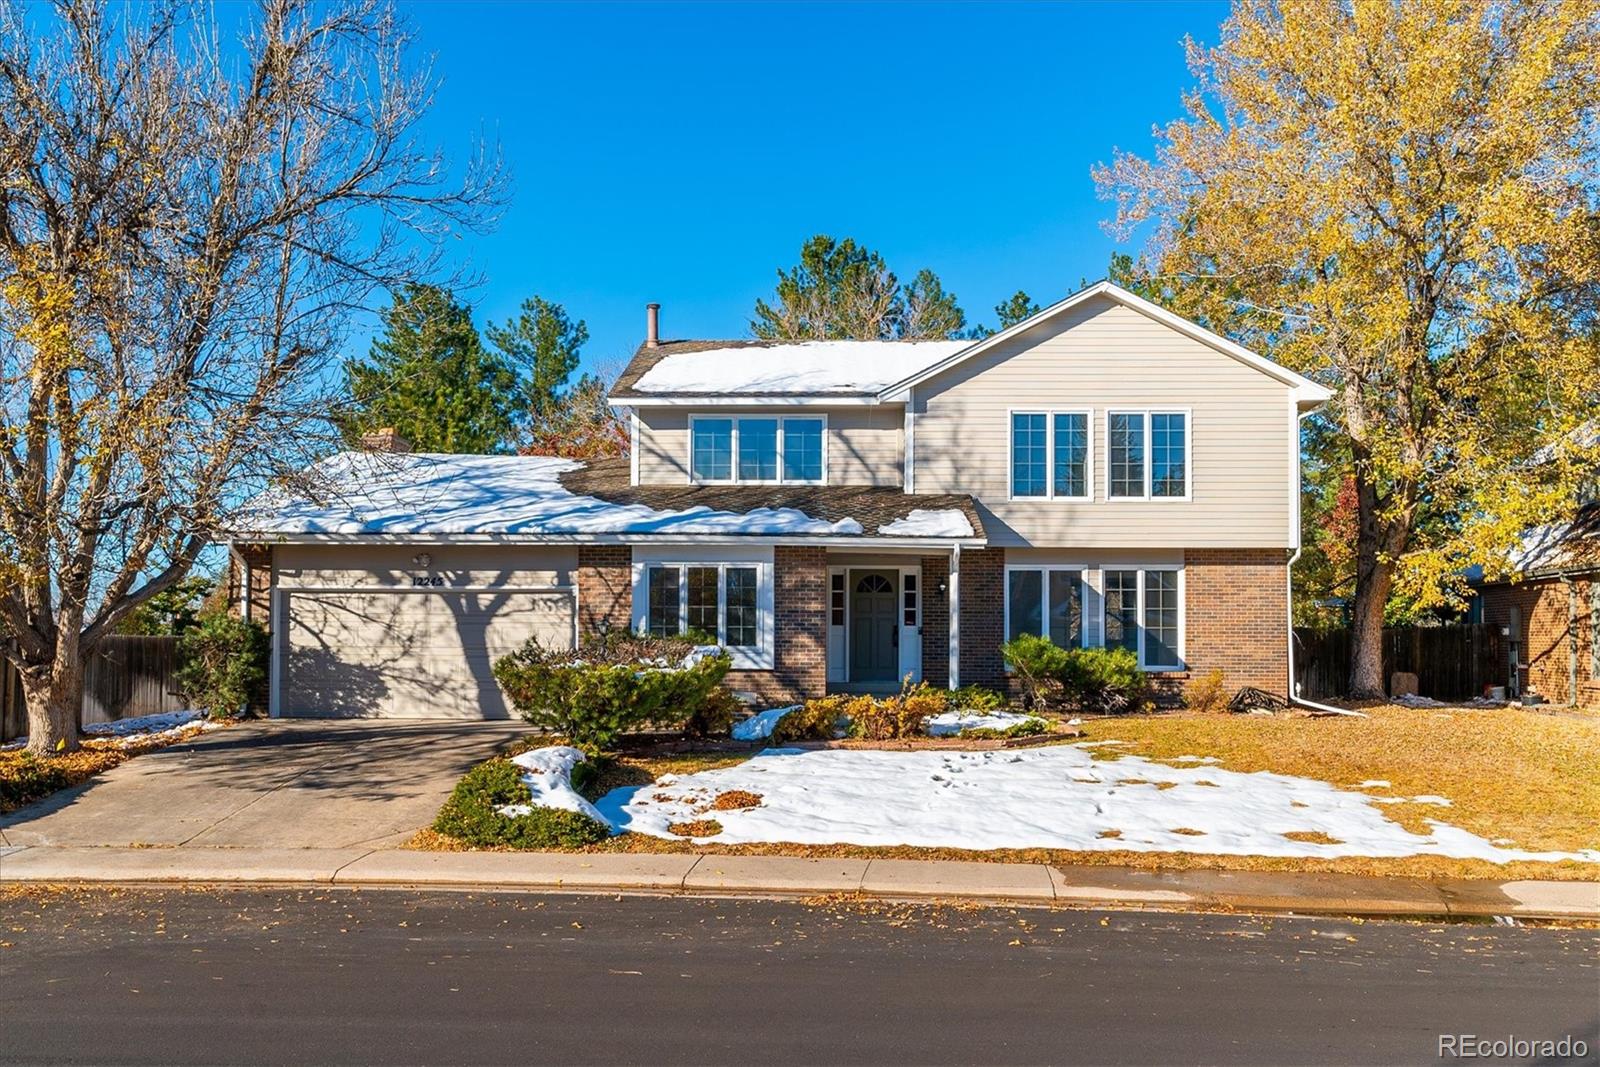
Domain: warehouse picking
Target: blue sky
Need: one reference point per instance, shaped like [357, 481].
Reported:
[682, 153]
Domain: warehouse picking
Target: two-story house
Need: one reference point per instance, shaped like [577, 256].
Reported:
[839, 514]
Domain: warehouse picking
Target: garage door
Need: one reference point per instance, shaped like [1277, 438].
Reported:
[409, 654]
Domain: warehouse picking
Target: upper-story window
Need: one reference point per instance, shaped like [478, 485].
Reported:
[1050, 454]
[1147, 455]
[757, 448]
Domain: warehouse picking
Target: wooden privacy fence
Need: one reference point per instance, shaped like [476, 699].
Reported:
[126, 677]
[1451, 662]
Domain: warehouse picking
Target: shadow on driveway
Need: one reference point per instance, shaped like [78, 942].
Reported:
[282, 784]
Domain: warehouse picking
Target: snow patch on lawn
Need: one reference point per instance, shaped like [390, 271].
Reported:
[548, 776]
[923, 522]
[758, 727]
[951, 723]
[142, 729]
[1055, 797]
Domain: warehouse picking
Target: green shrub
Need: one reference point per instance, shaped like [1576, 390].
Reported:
[815, 720]
[1105, 680]
[471, 815]
[1039, 666]
[616, 683]
[714, 717]
[976, 698]
[222, 662]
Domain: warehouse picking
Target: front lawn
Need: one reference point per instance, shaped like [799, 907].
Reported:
[1496, 778]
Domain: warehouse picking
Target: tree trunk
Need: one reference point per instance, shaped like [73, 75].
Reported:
[55, 700]
[1374, 558]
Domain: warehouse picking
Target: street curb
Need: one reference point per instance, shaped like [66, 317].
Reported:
[1306, 893]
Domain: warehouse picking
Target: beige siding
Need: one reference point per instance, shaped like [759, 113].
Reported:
[461, 566]
[863, 443]
[1103, 355]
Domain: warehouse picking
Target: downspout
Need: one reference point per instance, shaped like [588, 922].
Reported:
[244, 581]
[1288, 578]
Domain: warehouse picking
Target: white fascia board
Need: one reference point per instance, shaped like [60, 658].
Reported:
[1304, 388]
[822, 400]
[831, 540]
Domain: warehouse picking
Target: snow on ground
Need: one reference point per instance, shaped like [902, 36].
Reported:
[923, 522]
[951, 723]
[758, 727]
[381, 492]
[1053, 797]
[141, 730]
[802, 367]
[548, 776]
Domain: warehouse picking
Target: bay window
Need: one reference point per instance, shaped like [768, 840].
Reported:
[1147, 455]
[757, 449]
[1050, 454]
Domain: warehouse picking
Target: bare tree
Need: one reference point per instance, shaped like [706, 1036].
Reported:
[186, 222]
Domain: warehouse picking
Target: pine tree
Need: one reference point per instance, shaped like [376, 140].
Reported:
[1015, 308]
[541, 345]
[429, 376]
[930, 314]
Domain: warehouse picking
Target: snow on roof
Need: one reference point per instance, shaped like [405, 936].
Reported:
[386, 493]
[804, 367]
[921, 522]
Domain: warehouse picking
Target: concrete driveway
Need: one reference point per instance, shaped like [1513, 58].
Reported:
[285, 784]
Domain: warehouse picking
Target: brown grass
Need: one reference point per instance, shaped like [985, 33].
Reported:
[736, 800]
[1313, 837]
[696, 828]
[1510, 774]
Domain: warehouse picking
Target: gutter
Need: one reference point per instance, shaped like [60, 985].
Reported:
[829, 540]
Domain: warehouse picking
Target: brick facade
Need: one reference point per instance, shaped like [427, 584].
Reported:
[800, 629]
[259, 557]
[983, 624]
[1236, 613]
[935, 621]
[1549, 635]
[605, 589]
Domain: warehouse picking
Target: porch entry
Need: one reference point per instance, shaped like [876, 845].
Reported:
[875, 625]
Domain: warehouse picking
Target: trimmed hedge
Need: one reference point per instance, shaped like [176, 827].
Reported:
[471, 815]
[617, 683]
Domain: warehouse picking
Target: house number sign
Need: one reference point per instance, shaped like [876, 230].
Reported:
[427, 581]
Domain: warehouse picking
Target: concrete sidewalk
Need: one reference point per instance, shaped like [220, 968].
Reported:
[1337, 894]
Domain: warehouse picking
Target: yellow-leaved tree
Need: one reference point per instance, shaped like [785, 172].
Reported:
[1399, 198]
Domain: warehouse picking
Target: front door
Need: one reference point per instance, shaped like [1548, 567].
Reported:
[874, 627]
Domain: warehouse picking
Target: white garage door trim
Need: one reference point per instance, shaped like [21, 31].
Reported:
[281, 622]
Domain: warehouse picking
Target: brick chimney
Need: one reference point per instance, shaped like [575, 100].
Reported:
[652, 325]
[387, 439]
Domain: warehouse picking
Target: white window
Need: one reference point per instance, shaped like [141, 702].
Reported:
[1144, 614]
[1047, 601]
[758, 449]
[715, 602]
[1050, 454]
[1140, 609]
[1147, 455]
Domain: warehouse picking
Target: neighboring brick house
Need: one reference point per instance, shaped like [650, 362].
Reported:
[839, 514]
[1550, 612]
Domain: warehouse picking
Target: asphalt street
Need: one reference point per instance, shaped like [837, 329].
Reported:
[343, 976]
